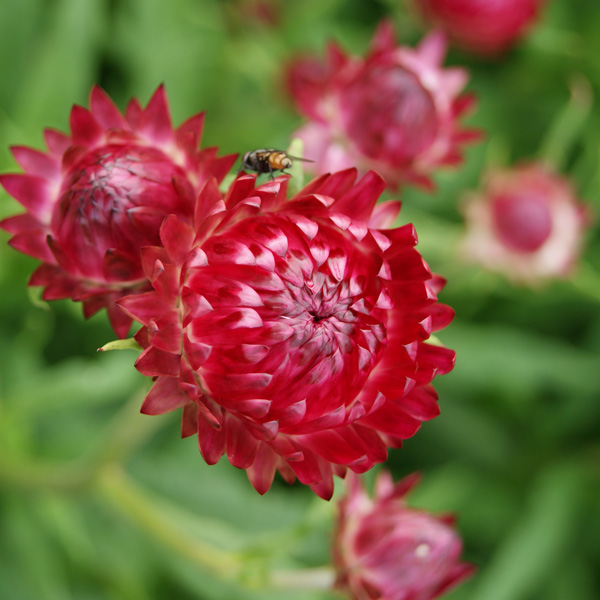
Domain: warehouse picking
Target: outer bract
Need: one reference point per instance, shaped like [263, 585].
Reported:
[97, 196]
[482, 26]
[384, 550]
[395, 111]
[526, 222]
[292, 331]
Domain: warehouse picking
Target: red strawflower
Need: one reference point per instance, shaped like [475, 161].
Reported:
[292, 331]
[482, 26]
[526, 222]
[385, 550]
[395, 111]
[97, 196]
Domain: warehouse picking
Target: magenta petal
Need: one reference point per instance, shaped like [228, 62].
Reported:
[196, 354]
[120, 322]
[85, 130]
[359, 201]
[392, 420]
[324, 489]
[153, 362]
[177, 238]
[164, 396]
[192, 129]
[56, 141]
[421, 404]
[143, 307]
[31, 191]
[255, 408]
[165, 333]
[35, 162]
[32, 243]
[242, 446]
[133, 113]
[189, 420]
[262, 470]
[155, 120]
[211, 441]
[120, 266]
[104, 110]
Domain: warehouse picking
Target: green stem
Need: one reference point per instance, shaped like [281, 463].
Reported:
[567, 126]
[587, 281]
[319, 578]
[65, 477]
[136, 504]
[154, 519]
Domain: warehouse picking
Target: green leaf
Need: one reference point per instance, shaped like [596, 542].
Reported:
[540, 540]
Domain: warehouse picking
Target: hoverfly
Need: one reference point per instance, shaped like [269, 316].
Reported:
[267, 160]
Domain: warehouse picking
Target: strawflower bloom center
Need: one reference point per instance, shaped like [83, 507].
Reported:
[523, 221]
[309, 326]
[389, 115]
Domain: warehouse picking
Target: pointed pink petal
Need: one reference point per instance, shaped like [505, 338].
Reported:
[21, 223]
[133, 113]
[153, 362]
[242, 446]
[432, 48]
[177, 238]
[30, 191]
[384, 38]
[189, 420]
[211, 441]
[262, 470]
[32, 243]
[85, 130]
[190, 130]
[359, 201]
[164, 396]
[143, 307]
[155, 120]
[56, 141]
[120, 266]
[324, 489]
[35, 162]
[196, 354]
[121, 323]
[104, 110]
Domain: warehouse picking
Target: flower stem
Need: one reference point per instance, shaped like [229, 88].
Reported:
[318, 578]
[567, 126]
[137, 505]
[587, 281]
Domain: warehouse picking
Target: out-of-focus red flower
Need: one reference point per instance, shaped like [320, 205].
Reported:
[482, 26]
[525, 222]
[395, 111]
[385, 550]
[100, 194]
[293, 332]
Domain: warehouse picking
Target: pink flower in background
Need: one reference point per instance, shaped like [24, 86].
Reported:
[525, 222]
[293, 332]
[395, 111]
[97, 196]
[385, 550]
[483, 26]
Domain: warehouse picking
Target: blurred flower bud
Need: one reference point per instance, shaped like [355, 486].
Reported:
[394, 111]
[525, 222]
[482, 26]
[385, 550]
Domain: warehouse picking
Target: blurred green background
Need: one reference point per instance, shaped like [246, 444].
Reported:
[515, 452]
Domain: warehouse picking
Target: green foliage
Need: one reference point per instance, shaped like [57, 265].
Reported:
[515, 451]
